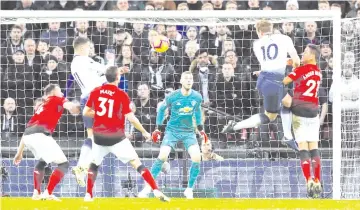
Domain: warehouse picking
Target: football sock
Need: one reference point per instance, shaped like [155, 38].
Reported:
[156, 168]
[85, 154]
[193, 174]
[57, 175]
[252, 122]
[92, 174]
[305, 163]
[286, 121]
[316, 162]
[39, 174]
[146, 175]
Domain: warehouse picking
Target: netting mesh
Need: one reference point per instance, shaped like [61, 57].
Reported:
[350, 93]
[256, 163]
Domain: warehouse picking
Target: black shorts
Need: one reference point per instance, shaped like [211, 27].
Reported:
[106, 140]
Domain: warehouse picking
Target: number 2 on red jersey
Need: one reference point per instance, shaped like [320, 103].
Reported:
[106, 106]
[313, 88]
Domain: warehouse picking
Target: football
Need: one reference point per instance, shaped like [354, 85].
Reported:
[160, 44]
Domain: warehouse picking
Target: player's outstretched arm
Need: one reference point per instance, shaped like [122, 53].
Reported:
[293, 53]
[136, 123]
[73, 108]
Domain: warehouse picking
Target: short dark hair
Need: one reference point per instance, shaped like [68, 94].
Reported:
[314, 50]
[111, 73]
[49, 88]
[16, 27]
[78, 41]
[201, 51]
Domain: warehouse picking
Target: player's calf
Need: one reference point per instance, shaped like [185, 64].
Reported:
[92, 174]
[39, 173]
[251, 122]
[55, 179]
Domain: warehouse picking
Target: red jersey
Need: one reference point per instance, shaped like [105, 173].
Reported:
[110, 105]
[46, 116]
[307, 81]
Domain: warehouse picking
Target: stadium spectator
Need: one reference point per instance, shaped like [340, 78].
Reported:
[326, 54]
[292, 5]
[42, 48]
[129, 59]
[191, 48]
[194, 4]
[231, 5]
[139, 37]
[158, 73]
[207, 6]
[218, 4]
[323, 5]
[121, 38]
[32, 59]
[253, 4]
[308, 36]
[182, 6]
[55, 36]
[51, 72]
[149, 6]
[61, 5]
[19, 81]
[100, 37]
[160, 28]
[145, 111]
[93, 54]
[12, 124]
[27, 5]
[13, 43]
[90, 5]
[33, 33]
[267, 5]
[204, 73]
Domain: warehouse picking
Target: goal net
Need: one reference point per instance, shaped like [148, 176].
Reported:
[37, 50]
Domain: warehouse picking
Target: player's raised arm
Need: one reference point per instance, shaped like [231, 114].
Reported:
[292, 52]
[72, 107]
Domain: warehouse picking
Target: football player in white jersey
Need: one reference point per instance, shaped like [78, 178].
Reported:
[272, 52]
[88, 74]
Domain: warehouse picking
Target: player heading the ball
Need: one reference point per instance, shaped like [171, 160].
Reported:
[110, 106]
[306, 121]
[183, 105]
[37, 137]
[271, 51]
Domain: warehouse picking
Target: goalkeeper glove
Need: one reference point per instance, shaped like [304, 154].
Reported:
[204, 136]
[156, 136]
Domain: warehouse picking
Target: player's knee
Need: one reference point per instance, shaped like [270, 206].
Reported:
[40, 165]
[64, 167]
[93, 167]
[304, 155]
[141, 168]
[164, 153]
[271, 116]
[286, 101]
[135, 163]
[194, 152]
[264, 118]
[88, 142]
[314, 153]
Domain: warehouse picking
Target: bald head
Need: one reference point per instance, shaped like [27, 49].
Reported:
[9, 105]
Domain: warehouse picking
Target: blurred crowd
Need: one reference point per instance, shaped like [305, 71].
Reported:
[220, 57]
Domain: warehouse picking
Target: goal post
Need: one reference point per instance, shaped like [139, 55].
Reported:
[214, 18]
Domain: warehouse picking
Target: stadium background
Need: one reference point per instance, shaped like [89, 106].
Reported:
[258, 163]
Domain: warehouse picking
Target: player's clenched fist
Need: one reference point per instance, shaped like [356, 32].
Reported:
[156, 135]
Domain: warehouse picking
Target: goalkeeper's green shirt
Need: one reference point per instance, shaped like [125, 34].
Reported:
[182, 110]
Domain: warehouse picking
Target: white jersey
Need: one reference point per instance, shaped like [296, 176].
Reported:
[87, 73]
[272, 52]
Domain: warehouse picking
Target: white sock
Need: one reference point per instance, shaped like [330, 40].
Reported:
[251, 122]
[85, 157]
[286, 121]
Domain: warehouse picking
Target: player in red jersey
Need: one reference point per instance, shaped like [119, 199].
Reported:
[110, 106]
[306, 122]
[37, 137]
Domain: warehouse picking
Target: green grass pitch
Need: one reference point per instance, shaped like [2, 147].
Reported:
[178, 204]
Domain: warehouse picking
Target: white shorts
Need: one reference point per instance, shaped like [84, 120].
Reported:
[123, 150]
[306, 129]
[45, 148]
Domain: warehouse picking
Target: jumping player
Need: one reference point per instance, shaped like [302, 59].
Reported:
[306, 122]
[271, 51]
[37, 137]
[183, 105]
[109, 106]
[88, 75]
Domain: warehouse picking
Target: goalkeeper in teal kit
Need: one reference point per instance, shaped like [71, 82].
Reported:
[183, 105]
